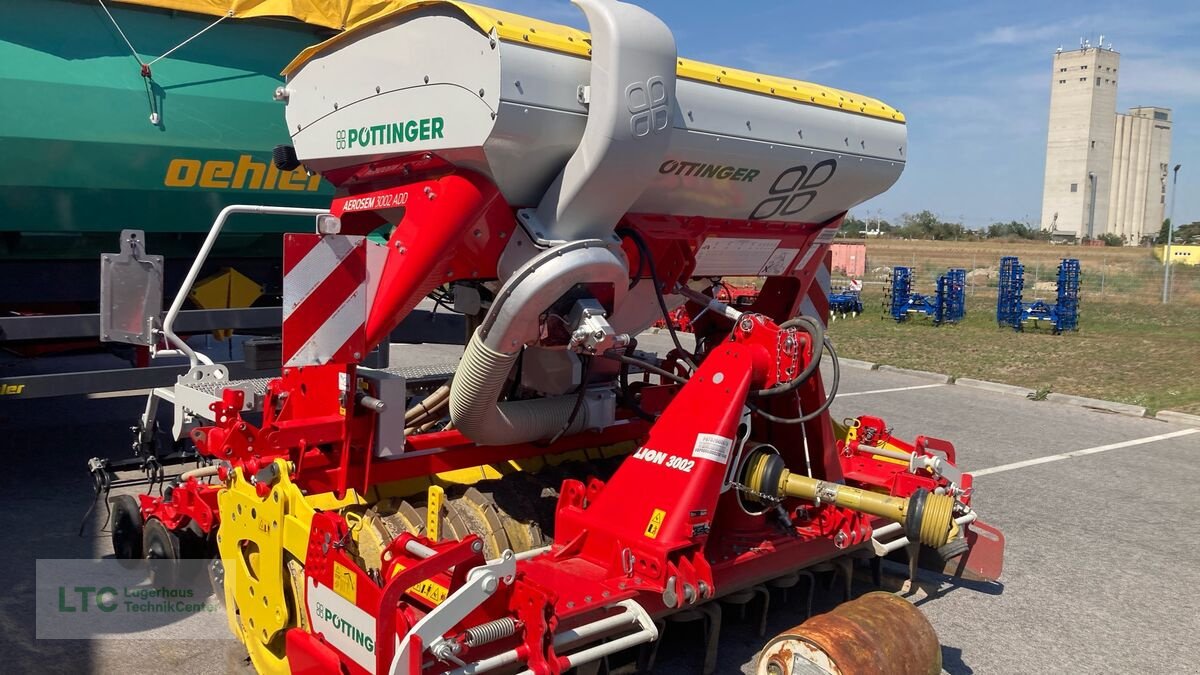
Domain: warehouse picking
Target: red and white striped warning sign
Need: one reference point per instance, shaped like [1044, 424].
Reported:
[324, 299]
[816, 298]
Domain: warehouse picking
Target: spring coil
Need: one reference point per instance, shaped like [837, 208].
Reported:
[490, 631]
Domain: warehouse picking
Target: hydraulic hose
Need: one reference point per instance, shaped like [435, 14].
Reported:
[833, 388]
[817, 332]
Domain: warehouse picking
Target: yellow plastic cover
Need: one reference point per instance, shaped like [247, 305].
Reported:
[348, 15]
[336, 14]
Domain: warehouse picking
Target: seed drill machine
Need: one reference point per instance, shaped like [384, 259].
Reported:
[546, 502]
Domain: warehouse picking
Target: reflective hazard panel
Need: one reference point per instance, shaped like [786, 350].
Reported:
[324, 299]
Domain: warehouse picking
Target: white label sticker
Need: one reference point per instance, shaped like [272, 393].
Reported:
[779, 263]
[822, 239]
[343, 624]
[343, 381]
[720, 256]
[712, 447]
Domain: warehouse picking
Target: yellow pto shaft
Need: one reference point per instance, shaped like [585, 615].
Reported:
[927, 517]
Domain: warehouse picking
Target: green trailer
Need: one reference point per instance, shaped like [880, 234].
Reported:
[148, 115]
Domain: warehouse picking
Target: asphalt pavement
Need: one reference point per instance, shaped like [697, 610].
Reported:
[1101, 572]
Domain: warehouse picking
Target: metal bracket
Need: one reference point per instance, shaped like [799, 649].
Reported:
[131, 292]
[481, 583]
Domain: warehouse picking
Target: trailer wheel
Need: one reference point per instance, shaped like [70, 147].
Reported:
[126, 527]
[158, 542]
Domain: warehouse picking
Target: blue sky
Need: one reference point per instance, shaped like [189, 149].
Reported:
[973, 79]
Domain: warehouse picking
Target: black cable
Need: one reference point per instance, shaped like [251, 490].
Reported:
[623, 373]
[644, 253]
[837, 376]
[641, 266]
[584, 370]
[647, 366]
[627, 398]
[815, 330]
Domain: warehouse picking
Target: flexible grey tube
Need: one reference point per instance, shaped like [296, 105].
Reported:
[512, 322]
[473, 408]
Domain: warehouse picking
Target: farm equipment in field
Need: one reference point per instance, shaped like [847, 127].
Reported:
[1013, 312]
[846, 300]
[548, 501]
[946, 305]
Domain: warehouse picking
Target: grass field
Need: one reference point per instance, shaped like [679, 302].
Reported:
[1129, 347]
[1117, 273]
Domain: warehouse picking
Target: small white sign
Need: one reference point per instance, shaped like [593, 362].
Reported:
[712, 447]
[720, 256]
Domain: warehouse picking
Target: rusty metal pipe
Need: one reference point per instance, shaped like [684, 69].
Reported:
[876, 634]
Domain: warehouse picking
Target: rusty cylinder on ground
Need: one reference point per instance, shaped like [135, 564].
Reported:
[876, 634]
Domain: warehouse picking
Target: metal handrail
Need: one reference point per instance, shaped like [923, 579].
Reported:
[181, 347]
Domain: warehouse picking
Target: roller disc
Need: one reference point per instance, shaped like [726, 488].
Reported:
[126, 528]
[194, 543]
[158, 542]
[876, 634]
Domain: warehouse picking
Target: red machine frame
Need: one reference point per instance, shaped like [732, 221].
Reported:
[686, 540]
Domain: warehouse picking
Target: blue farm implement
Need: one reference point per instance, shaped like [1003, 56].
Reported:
[1012, 311]
[947, 305]
[845, 302]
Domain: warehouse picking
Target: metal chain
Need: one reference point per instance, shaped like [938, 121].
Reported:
[746, 489]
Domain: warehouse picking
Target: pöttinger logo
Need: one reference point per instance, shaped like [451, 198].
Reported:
[341, 139]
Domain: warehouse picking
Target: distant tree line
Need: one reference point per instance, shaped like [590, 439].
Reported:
[1184, 234]
[927, 225]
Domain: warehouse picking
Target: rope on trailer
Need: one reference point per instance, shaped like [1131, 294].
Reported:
[146, 66]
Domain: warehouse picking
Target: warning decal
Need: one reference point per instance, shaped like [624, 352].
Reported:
[655, 524]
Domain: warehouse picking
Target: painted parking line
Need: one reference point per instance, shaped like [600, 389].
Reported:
[1080, 453]
[888, 391]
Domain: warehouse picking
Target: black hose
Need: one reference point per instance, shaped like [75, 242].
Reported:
[833, 387]
[637, 277]
[647, 366]
[584, 371]
[817, 331]
[644, 254]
